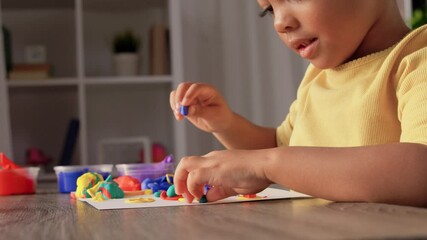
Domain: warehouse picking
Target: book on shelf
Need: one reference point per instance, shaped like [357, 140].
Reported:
[70, 141]
[159, 52]
[30, 71]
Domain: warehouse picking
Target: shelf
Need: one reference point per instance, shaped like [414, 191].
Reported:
[77, 38]
[45, 4]
[90, 81]
[128, 80]
[35, 28]
[102, 20]
[114, 5]
[43, 82]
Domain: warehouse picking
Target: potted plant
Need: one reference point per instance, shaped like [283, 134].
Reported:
[125, 47]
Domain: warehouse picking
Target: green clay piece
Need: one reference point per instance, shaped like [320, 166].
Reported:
[171, 191]
[157, 194]
[203, 199]
[110, 188]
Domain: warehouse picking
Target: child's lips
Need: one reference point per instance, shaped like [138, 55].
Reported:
[305, 47]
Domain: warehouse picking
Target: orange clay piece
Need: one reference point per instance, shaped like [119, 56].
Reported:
[249, 195]
[128, 183]
[137, 193]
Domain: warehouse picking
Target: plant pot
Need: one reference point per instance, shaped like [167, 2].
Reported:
[126, 64]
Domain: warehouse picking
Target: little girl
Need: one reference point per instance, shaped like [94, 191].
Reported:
[357, 130]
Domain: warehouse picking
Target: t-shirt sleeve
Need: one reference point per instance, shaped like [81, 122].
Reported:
[412, 97]
[284, 131]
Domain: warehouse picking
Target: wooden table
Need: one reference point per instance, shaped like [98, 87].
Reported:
[49, 215]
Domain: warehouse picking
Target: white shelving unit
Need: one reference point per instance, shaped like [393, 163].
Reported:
[78, 36]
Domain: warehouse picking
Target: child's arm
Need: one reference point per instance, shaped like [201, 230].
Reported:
[209, 112]
[390, 173]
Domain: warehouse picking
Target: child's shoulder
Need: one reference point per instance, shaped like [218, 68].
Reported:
[411, 52]
[412, 45]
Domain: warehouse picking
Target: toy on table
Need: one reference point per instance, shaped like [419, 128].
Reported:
[15, 179]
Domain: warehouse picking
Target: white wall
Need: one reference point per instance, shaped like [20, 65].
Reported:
[228, 45]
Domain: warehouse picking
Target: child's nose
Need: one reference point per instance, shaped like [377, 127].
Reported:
[285, 23]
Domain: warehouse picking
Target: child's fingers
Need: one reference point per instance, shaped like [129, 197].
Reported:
[199, 91]
[180, 180]
[181, 92]
[190, 178]
[217, 193]
[172, 103]
[196, 180]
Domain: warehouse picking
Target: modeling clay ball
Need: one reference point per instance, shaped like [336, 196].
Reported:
[171, 191]
[128, 183]
[110, 189]
[85, 182]
[157, 194]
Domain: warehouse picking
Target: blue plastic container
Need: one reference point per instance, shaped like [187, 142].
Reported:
[67, 175]
[67, 180]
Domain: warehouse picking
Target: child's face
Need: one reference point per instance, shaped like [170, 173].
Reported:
[326, 32]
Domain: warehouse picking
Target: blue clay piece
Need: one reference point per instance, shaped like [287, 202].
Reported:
[146, 182]
[164, 186]
[184, 110]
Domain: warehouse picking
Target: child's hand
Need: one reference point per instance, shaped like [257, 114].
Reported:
[207, 108]
[229, 172]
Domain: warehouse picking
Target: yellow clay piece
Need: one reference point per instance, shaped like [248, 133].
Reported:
[139, 200]
[98, 197]
[148, 192]
[168, 178]
[241, 197]
[86, 181]
[92, 191]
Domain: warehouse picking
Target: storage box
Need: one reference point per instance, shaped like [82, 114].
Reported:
[18, 180]
[141, 171]
[67, 175]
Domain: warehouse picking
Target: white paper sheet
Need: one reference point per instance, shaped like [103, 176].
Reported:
[267, 194]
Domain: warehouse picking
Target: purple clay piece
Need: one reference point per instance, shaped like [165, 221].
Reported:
[168, 159]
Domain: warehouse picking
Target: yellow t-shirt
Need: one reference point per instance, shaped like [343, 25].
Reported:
[379, 98]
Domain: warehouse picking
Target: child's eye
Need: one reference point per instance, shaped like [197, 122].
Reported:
[268, 10]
